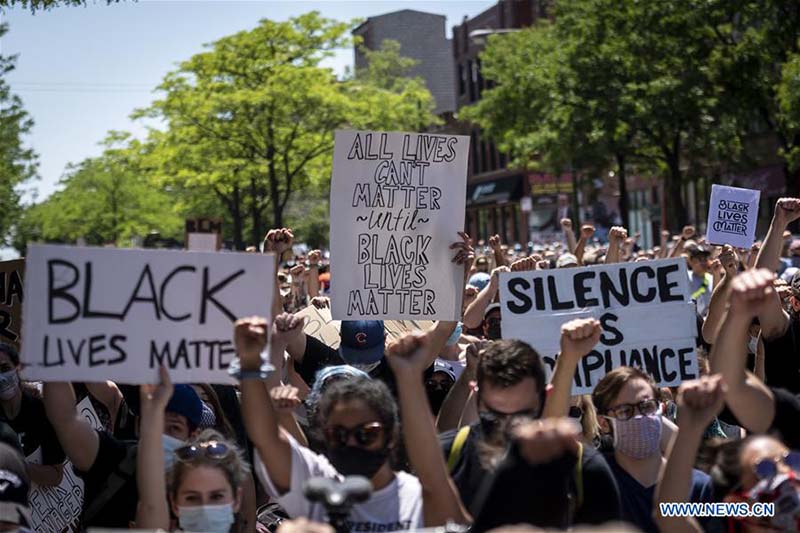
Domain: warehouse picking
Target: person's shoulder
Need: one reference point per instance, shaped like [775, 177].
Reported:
[406, 481]
[699, 477]
[447, 438]
[592, 458]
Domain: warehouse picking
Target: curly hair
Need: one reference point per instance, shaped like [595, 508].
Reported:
[374, 393]
[233, 465]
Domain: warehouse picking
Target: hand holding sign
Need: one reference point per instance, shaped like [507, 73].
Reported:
[579, 337]
[700, 401]
[466, 253]
[156, 397]
[752, 292]
[250, 339]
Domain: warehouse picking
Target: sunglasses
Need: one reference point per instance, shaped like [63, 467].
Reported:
[365, 435]
[210, 450]
[626, 411]
[768, 468]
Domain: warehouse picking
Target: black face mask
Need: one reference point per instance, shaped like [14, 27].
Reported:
[436, 396]
[355, 461]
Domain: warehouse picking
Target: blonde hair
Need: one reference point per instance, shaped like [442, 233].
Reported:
[233, 465]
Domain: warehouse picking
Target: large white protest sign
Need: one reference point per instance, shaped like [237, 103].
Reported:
[644, 309]
[732, 216]
[397, 203]
[59, 508]
[93, 314]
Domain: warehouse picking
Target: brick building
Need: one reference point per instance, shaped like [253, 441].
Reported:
[421, 37]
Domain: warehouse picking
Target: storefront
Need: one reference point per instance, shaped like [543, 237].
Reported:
[493, 207]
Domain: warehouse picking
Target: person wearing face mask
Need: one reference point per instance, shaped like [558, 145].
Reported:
[511, 390]
[439, 384]
[107, 465]
[628, 402]
[205, 479]
[23, 411]
[756, 469]
[358, 419]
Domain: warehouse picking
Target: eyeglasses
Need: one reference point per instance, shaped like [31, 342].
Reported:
[365, 435]
[768, 468]
[626, 411]
[211, 450]
[576, 412]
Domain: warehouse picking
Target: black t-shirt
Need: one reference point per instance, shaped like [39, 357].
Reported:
[114, 458]
[34, 430]
[782, 359]
[318, 355]
[601, 499]
[787, 417]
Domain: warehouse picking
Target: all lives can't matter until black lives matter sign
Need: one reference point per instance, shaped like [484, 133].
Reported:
[93, 314]
[397, 203]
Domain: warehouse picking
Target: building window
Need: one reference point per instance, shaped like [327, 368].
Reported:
[475, 91]
[473, 144]
[462, 79]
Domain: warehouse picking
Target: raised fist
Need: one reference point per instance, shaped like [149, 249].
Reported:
[579, 336]
[587, 231]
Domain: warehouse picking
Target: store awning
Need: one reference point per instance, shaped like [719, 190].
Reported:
[498, 191]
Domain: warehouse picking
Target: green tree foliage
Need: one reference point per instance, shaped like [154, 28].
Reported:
[18, 163]
[620, 80]
[44, 5]
[104, 200]
[250, 121]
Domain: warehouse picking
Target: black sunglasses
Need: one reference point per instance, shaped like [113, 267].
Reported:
[365, 435]
[211, 450]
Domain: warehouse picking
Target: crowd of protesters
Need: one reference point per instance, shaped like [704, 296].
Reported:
[452, 425]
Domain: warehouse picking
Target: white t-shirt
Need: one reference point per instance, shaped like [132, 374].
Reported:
[398, 506]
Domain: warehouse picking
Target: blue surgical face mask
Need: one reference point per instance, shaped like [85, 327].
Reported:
[9, 384]
[453, 338]
[170, 444]
[206, 518]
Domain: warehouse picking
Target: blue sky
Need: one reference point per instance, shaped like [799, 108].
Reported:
[82, 70]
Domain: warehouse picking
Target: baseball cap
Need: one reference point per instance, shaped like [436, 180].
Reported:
[697, 250]
[362, 341]
[187, 403]
[14, 488]
[335, 371]
[490, 308]
[567, 260]
[479, 280]
[441, 365]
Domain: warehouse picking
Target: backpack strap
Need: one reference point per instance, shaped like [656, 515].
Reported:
[579, 476]
[455, 449]
[124, 472]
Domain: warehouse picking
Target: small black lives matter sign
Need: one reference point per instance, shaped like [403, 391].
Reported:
[643, 308]
[93, 314]
[732, 216]
[397, 203]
